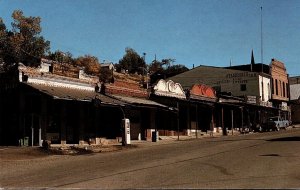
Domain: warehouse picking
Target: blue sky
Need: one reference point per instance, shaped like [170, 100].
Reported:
[194, 32]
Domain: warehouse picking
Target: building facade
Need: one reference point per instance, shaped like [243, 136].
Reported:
[280, 84]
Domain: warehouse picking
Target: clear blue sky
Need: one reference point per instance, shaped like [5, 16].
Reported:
[206, 32]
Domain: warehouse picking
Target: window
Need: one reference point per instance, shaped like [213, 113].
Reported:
[276, 86]
[283, 88]
[280, 88]
[262, 91]
[272, 86]
[269, 96]
[287, 90]
[243, 87]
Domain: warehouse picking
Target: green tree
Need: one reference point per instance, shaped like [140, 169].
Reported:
[24, 41]
[131, 61]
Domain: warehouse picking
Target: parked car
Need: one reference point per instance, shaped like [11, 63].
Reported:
[275, 124]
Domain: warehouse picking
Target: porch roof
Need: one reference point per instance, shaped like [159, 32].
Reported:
[139, 101]
[74, 94]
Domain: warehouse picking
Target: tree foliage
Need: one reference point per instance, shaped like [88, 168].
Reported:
[131, 61]
[62, 57]
[163, 69]
[23, 43]
[3, 39]
[90, 63]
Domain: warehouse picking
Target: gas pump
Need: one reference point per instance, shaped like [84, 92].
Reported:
[126, 129]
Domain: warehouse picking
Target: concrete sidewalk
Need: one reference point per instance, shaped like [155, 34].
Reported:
[173, 139]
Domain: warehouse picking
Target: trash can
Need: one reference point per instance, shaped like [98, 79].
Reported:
[154, 136]
[26, 141]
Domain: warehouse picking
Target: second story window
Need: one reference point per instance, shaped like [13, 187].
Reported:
[276, 86]
[283, 88]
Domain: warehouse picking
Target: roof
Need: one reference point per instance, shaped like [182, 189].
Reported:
[64, 93]
[257, 67]
[207, 75]
[139, 101]
[294, 80]
[203, 93]
[295, 91]
[74, 94]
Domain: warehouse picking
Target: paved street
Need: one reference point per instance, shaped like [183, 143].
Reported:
[263, 160]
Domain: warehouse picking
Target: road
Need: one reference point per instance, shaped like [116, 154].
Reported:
[263, 160]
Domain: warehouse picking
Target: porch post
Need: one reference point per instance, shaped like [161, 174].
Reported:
[178, 120]
[232, 122]
[242, 119]
[197, 121]
[63, 135]
[32, 130]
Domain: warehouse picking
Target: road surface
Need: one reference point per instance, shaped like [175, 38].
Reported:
[263, 160]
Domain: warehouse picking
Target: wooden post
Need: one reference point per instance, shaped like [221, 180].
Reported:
[242, 119]
[32, 130]
[188, 118]
[232, 122]
[178, 120]
[212, 122]
[223, 127]
[197, 120]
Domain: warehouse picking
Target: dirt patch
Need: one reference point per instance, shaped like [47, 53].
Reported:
[22, 153]
[25, 153]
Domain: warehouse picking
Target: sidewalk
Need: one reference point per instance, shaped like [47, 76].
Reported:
[174, 139]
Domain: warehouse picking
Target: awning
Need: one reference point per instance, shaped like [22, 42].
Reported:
[139, 101]
[63, 93]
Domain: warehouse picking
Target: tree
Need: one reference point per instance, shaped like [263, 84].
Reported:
[62, 57]
[24, 43]
[168, 61]
[90, 63]
[131, 61]
[163, 73]
[3, 39]
[155, 66]
[175, 70]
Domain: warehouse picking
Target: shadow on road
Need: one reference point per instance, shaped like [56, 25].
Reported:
[286, 139]
[270, 155]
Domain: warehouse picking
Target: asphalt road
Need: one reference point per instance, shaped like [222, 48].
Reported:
[264, 160]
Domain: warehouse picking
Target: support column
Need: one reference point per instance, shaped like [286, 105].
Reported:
[81, 124]
[223, 127]
[242, 119]
[178, 122]
[232, 122]
[197, 121]
[212, 122]
[189, 120]
[32, 130]
[63, 135]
